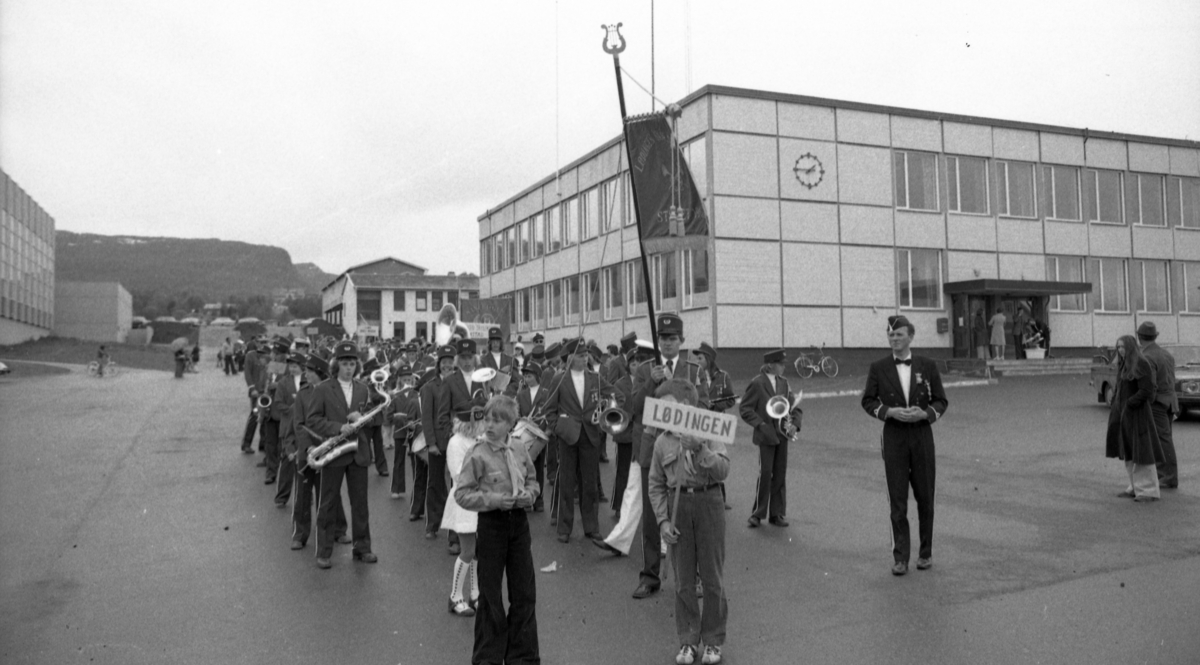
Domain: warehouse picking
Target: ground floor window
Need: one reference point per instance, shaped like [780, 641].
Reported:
[423, 330]
[1110, 292]
[1151, 286]
[695, 275]
[919, 275]
[398, 330]
[1066, 269]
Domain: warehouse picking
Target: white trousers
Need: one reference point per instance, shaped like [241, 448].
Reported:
[626, 529]
[1143, 479]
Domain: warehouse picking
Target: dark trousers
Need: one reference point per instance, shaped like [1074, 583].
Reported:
[1168, 464]
[416, 504]
[377, 454]
[331, 489]
[252, 424]
[539, 465]
[435, 493]
[651, 541]
[578, 466]
[909, 460]
[552, 458]
[287, 473]
[229, 367]
[1018, 347]
[270, 441]
[180, 364]
[770, 499]
[503, 550]
[398, 479]
[621, 478]
[308, 492]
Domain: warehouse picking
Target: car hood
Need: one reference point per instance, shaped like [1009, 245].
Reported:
[1187, 373]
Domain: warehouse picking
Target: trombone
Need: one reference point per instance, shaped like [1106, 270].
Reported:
[780, 410]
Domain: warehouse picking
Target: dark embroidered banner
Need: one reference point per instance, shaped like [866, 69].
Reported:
[651, 146]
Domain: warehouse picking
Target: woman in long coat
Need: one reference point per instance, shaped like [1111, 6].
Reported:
[1131, 433]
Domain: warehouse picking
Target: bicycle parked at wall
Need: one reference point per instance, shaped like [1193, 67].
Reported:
[807, 364]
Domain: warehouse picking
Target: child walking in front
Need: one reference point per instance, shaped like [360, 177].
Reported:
[498, 481]
[693, 469]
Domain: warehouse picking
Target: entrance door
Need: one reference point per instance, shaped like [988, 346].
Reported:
[960, 325]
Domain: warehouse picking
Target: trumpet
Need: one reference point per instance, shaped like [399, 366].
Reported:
[611, 417]
[780, 410]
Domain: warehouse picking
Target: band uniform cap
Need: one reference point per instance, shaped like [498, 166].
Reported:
[896, 321]
[554, 350]
[629, 341]
[426, 376]
[316, 363]
[465, 346]
[571, 347]
[301, 340]
[413, 347]
[281, 345]
[404, 369]
[296, 359]
[669, 324]
[494, 333]
[776, 356]
[446, 351]
[345, 349]
[594, 351]
[1148, 329]
[370, 366]
[532, 368]
[705, 349]
[519, 346]
[643, 350]
[538, 352]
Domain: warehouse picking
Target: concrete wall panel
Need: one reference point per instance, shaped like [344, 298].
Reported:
[866, 225]
[739, 114]
[1066, 238]
[1189, 329]
[919, 229]
[1030, 267]
[1021, 235]
[811, 274]
[1109, 240]
[1187, 245]
[1018, 144]
[526, 275]
[1153, 243]
[962, 266]
[927, 336]
[1149, 158]
[806, 327]
[864, 175]
[747, 272]
[694, 120]
[863, 328]
[1071, 329]
[1184, 161]
[745, 165]
[809, 222]
[1106, 328]
[869, 277]
[791, 187]
[1062, 148]
[963, 139]
[749, 327]
[736, 217]
[970, 232]
[863, 127]
[1106, 154]
[916, 133]
[808, 122]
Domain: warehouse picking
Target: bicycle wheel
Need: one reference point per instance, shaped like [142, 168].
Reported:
[829, 366]
[803, 367]
[93, 368]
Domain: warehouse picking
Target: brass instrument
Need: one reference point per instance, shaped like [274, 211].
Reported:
[780, 410]
[336, 446]
[483, 375]
[263, 402]
[612, 418]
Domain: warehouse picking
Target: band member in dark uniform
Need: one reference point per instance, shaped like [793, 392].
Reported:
[254, 382]
[296, 445]
[646, 380]
[715, 388]
[417, 502]
[531, 401]
[551, 378]
[336, 405]
[905, 392]
[770, 499]
[276, 368]
[437, 439]
[404, 414]
[282, 402]
[623, 383]
[375, 428]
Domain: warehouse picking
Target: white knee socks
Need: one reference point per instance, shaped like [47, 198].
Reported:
[460, 580]
[474, 579]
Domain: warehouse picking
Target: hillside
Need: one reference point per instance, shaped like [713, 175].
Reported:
[206, 267]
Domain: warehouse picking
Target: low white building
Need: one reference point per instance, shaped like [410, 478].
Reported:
[98, 311]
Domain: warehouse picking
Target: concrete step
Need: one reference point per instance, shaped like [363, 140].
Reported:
[1041, 367]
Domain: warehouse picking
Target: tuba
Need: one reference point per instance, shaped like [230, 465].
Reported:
[336, 446]
[780, 410]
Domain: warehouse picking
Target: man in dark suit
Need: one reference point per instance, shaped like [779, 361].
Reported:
[437, 439]
[622, 381]
[375, 428]
[253, 373]
[532, 400]
[269, 435]
[337, 404]
[281, 409]
[296, 445]
[648, 376]
[404, 415]
[496, 358]
[570, 412]
[771, 437]
[1165, 406]
[905, 392]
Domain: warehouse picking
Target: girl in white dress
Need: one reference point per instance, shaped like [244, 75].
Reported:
[463, 522]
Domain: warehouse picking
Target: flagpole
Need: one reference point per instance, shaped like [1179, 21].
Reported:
[615, 50]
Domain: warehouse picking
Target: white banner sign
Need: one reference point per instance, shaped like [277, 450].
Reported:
[478, 330]
[683, 419]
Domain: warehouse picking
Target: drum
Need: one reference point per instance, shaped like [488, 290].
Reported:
[419, 448]
[531, 436]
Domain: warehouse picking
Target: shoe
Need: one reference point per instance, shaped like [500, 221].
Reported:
[297, 544]
[414, 518]
[462, 608]
[924, 564]
[430, 535]
[1145, 499]
[564, 538]
[754, 522]
[366, 557]
[384, 473]
[247, 451]
[262, 464]
[343, 540]
[1165, 486]
[593, 536]
[712, 655]
[539, 508]
[778, 521]
[396, 495]
[728, 507]
[604, 460]
[269, 481]
[899, 568]
[606, 547]
[602, 498]
[324, 564]
[454, 549]
[281, 504]
[1127, 495]
[553, 521]
[644, 591]
[686, 655]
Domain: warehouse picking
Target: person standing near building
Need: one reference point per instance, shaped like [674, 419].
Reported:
[629, 511]
[1166, 403]
[336, 406]
[437, 438]
[715, 389]
[979, 334]
[770, 500]
[996, 323]
[375, 428]
[404, 415]
[905, 392]
[531, 402]
[460, 405]
[1020, 327]
[276, 368]
[253, 373]
[496, 358]
[227, 357]
[1132, 435]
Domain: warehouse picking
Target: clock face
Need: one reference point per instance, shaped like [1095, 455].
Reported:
[808, 170]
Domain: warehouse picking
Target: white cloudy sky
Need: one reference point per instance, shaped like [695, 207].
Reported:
[343, 131]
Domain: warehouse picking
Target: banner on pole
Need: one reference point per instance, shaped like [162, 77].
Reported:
[684, 419]
[662, 180]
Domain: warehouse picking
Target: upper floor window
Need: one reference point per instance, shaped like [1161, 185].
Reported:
[1146, 201]
[695, 153]
[916, 180]
[1065, 269]
[1188, 291]
[967, 179]
[1015, 189]
[665, 271]
[610, 210]
[570, 221]
[398, 298]
[537, 235]
[627, 203]
[485, 257]
[523, 242]
[1110, 292]
[1183, 202]
[571, 291]
[695, 274]
[1151, 287]
[555, 296]
[435, 301]
[1061, 185]
[510, 247]
[591, 296]
[589, 213]
[554, 240]
[635, 286]
[919, 274]
[422, 302]
[1102, 200]
[612, 292]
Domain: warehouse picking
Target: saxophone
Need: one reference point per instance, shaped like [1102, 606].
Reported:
[342, 443]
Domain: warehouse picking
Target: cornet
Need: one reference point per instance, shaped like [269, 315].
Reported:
[611, 417]
[780, 410]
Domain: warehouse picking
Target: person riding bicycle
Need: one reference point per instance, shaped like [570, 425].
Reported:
[102, 359]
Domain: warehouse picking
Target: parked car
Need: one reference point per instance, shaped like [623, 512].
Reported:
[222, 321]
[165, 319]
[140, 322]
[4, 369]
[1187, 376]
[249, 319]
[190, 320]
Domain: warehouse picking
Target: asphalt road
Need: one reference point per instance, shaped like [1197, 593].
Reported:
[133, 531]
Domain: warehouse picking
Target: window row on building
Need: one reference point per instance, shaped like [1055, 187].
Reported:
[370, 302]
[598, 210]
[679, 281]
[26, 270]
[1008, 188]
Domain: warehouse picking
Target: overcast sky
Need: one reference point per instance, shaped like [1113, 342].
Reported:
[346, 131]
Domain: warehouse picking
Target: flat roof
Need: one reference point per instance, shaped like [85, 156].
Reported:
[750, 93]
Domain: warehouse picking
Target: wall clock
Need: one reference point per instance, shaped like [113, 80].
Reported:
[809, 170]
